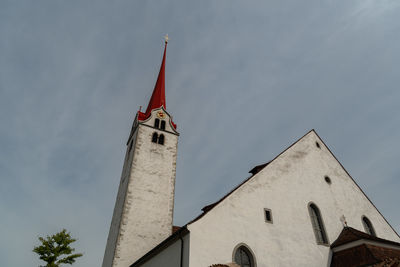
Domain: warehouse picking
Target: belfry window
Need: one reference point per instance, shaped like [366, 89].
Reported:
[161, 139]
[162, 125]
[156, 123]
[243, 257]
[318, 225]
[369, 229]
[154, 138]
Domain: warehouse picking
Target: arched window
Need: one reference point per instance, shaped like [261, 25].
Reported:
[154, 138]
[162, 125]
[243, 257]
[369, 229]
[161, 139]
[318, 225]
[156, 123]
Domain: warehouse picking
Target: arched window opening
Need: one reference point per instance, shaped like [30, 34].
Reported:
[318, 225]
[154, 138]
[156, 123]
[163, 125]
[369, 229]
[243, 257]
[161, 139]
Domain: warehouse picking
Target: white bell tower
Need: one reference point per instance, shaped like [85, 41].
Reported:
[144, 207]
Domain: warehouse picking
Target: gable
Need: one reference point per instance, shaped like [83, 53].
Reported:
[294, 153]
[286, 186]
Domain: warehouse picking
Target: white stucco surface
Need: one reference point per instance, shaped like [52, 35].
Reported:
[286, 186]
[144, 207]
[171, 256]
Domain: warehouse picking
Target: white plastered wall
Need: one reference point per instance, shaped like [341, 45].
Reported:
[286, 186]
[119, 204]
[171, 256]
[144, 209]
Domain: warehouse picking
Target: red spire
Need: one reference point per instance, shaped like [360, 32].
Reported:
[157, 99]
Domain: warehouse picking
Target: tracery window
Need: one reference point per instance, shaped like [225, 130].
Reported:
[243, 257]
[369, 229]
[318, 225]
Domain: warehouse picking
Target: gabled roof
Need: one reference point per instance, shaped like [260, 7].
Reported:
[390, 262]
[258, 168]
[354, 248]
[350, 234]
[178, 234]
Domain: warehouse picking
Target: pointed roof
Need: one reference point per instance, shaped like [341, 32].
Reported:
[354, 248]
[157, 99]
[350, 234]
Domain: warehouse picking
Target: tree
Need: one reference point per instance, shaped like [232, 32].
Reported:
[54, 247]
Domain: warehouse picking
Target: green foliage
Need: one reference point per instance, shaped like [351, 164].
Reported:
[54, 247]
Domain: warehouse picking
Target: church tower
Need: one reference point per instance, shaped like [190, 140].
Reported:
[144, 207]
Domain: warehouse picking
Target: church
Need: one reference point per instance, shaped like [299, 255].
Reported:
[300, 209]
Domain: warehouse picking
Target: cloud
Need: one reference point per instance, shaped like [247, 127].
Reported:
[244, 80]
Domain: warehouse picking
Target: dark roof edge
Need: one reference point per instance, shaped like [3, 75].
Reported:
[361, 236]
[207, 208]
[356, 183]
[172, 238]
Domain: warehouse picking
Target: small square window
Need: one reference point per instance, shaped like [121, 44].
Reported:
[268, 215]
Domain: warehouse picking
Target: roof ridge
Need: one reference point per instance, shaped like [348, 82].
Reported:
[209, 207]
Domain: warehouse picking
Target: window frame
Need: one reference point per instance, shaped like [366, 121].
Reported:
[249, 252]
[318, 225]
[163, 125]
[154, 138]
[161, 139]
[367, 224]
[157, 123]
[270, 214]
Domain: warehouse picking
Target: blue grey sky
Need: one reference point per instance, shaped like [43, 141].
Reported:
[244, 80]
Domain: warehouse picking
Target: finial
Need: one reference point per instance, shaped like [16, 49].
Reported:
[343, 220]
[166, 38]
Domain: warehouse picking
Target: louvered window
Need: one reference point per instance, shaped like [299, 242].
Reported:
[318, 225]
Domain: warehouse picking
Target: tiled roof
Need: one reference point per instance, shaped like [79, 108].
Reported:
[380, 253]
[388, 263]
[175, 228]
[365, 255]
[349, 234]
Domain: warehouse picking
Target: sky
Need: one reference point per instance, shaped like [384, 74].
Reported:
[244, 80]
